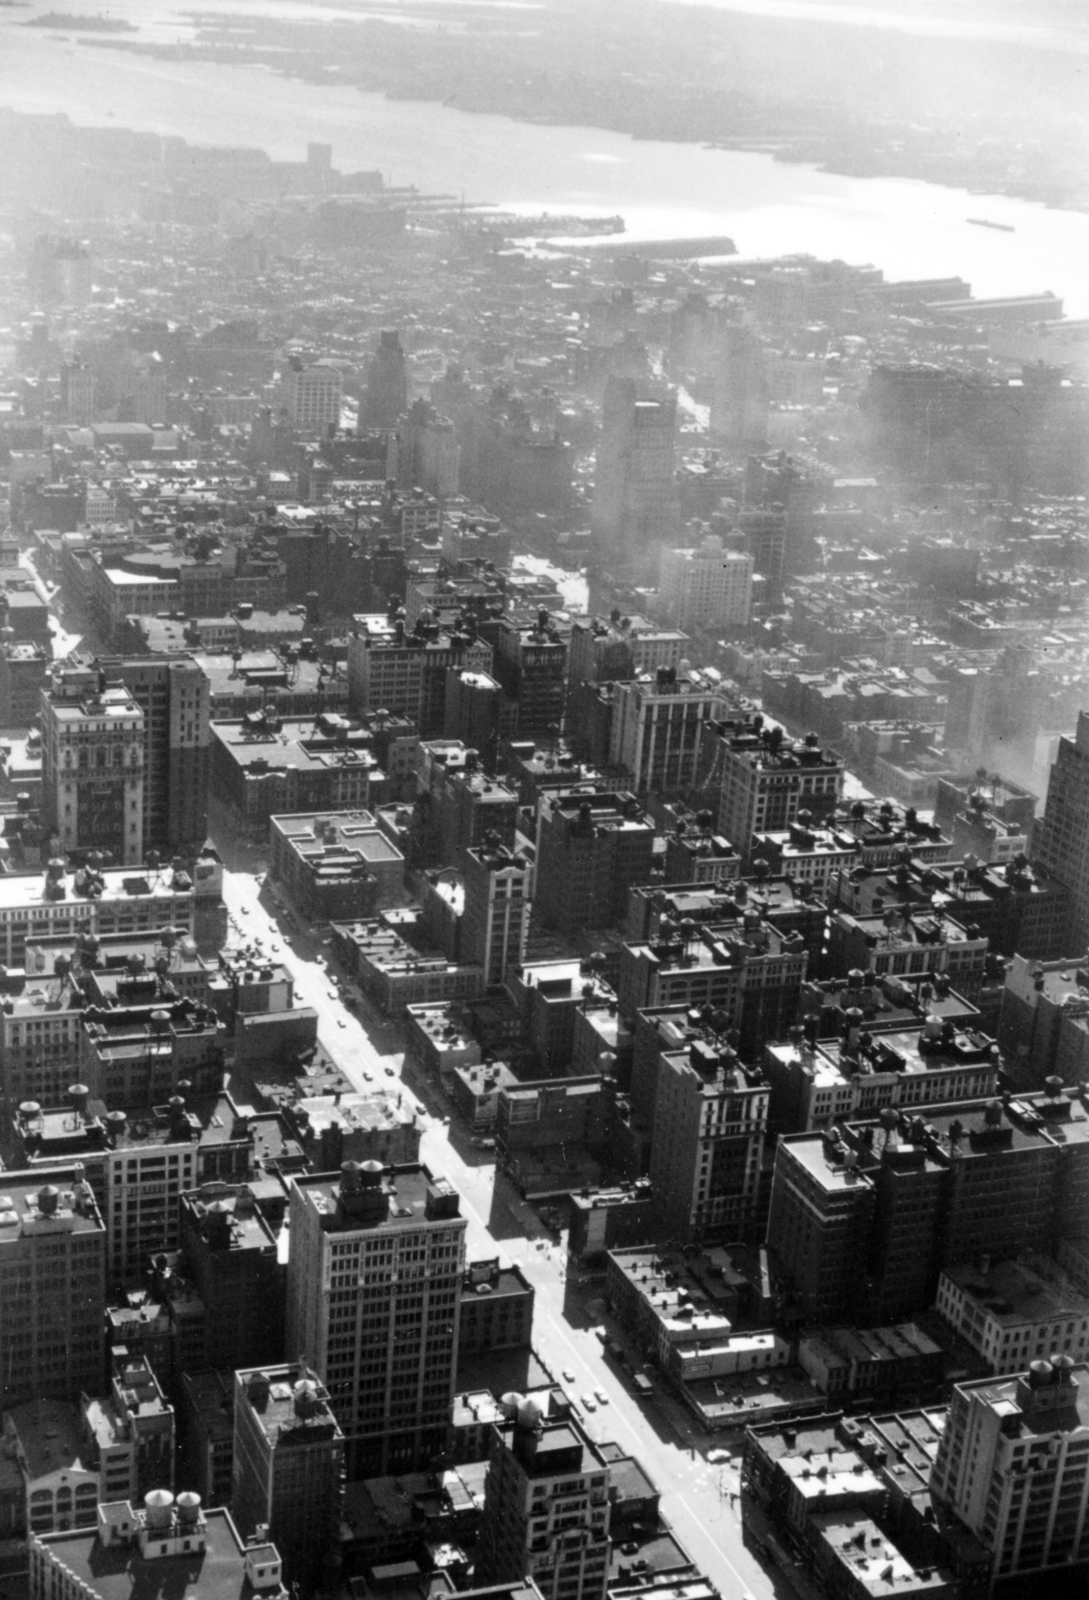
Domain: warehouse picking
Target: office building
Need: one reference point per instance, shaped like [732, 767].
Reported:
[925, 1191]
[636, 502]
[52, 1285]
[139, 1163]
[93, 765]
[616, 648]
[1061, 837]
[657, 728]
[207, 1410]
[288, 1461]
[174, 698]
[695, 853]
[77, 392]
[760, 779]
[311, 394]
[740, 393]
[24, 667]
[97, 902]
[428, 453]
[403, 671]
[531, 666]
[53, 1477]
[592, 847]
[495, 920]
[374, 1285]
[230, 1254]
[1013, 1312]
[819, 1226]
[818, 1083]
[707, 1139]
[385, 397]
[745, 967]
[458, 806]
[130, 1432]
[478, 712]
[334, 867]
[546, 1509]
[496, 1308]
[160, 1548]
[705, 587]
[263, 765]
[1013, 1466]
[1043, 1024]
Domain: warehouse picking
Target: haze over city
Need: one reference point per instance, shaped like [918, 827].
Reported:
[544, 800]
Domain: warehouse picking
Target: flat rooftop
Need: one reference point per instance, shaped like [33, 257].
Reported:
[24, 1214]
[18, 890]
[1014, 1292]
[290, 1405]
[410, 1192]
[119, 1572]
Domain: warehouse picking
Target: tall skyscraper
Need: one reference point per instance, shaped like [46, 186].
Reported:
[374, 1288]
[288, 1455]
[497, 906]
[93, 764]
[546, 1508]
[1061, 837]
[1013, 1466]
[636, 506]
[386, 395]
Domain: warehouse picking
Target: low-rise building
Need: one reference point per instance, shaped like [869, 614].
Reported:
[335, 867]
[496, 1310]
[611, 1219]
[1013, 1311]
[816, 1084]
[128, 1551]
[376, 1125]
[475, 1091]
[554, 1134]
[265, 766]
[59, 903]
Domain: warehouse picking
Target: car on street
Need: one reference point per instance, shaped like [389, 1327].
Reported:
[341, 1022]
[717, 1457]
[588, 1402]
[245, 910]
[390, 1072]
[601, 1397]
[568, 1375]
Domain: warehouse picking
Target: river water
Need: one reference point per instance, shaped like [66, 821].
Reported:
[909, 229]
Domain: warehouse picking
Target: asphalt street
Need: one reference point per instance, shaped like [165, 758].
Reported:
[698, 1496]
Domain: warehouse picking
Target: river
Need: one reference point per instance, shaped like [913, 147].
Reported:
[909, 229]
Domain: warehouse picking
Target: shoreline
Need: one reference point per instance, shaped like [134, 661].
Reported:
[823, 151]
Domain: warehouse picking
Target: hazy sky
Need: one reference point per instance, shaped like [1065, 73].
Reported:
[1029, 21]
